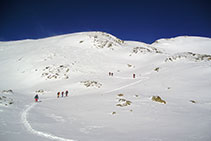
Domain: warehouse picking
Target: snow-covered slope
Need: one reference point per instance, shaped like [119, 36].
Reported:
[169, 98]
[199, 45]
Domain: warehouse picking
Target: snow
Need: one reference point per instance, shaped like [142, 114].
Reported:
[99, 106]
[193, 44]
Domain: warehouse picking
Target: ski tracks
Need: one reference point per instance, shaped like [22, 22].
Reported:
[131, 84]
[39, 133]
[53, 137]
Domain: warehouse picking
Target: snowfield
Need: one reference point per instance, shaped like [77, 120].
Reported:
[159, 91]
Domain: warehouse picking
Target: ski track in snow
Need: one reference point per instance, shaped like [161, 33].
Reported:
[36, 132]
[131, 84]
[54, 137]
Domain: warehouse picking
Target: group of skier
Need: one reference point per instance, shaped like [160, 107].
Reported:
[62, 94]
[58, 94]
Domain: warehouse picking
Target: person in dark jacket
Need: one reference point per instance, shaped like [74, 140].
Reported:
[36, 98]
[62, 94]
[58, 94]
[66, 93]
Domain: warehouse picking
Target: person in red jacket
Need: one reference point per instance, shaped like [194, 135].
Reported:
[62, 94]
[36, 98]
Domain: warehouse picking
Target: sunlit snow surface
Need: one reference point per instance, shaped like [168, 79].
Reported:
[100, 107]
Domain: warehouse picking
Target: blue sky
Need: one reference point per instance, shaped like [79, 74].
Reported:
[140, 20]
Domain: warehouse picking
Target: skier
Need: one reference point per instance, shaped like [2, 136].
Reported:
[111, 74]
[58, 94]
[66, 93]
[62, 94]
[36, 98]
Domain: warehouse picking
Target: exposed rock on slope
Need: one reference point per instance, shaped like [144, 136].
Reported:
[190, 56]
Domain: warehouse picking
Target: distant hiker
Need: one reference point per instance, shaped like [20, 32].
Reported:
[111, 73]
[62, 94]
[66, 93]
[134, 75]
[36, 98]
[58, 94]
